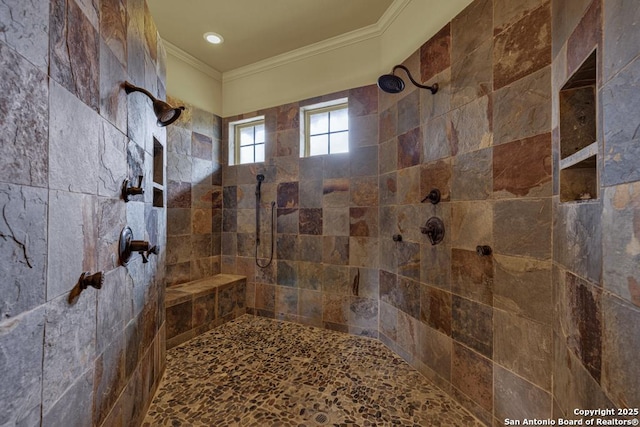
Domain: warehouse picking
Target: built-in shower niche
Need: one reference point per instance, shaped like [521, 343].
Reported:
[158, 174]
[578, 134]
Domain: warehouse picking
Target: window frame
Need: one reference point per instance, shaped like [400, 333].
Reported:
[235, 128]
[305, 134]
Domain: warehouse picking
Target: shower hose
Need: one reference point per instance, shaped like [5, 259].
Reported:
[258, 230]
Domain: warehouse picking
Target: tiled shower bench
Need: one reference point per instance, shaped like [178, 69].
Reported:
[193, 308]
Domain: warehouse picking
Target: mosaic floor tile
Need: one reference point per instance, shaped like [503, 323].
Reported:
[261, 372]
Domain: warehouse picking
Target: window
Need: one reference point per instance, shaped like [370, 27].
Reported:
[246, 141]
[325, 128]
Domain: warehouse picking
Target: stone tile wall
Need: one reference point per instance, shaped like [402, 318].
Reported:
[485, 143]
[325, 265]
[595, 269]
[69, 136]
[536, 328]
[194, 198]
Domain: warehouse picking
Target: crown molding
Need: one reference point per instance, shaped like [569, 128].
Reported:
[391, 14]
[333, 43]
[192, 61]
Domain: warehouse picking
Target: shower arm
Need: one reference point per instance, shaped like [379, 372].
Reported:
[433, 88]
[129, 88]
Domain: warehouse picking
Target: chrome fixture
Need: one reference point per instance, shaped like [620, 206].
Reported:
[391, 83]
[164, 112]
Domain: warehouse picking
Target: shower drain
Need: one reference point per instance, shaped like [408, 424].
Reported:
[321, 418]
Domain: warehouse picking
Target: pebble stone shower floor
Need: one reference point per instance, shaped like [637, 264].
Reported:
[255, 371]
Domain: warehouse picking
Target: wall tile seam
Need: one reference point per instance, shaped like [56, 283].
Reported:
[470, 399]
[566, 269]
[132, 378]
[44, 70]
[575, 360]
[604, 292]
[545, 3]
[620, 69]
[520, 316]
[438, 331]
[547, 392]
[470, 300]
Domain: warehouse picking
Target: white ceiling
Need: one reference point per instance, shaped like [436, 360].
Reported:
[255, 30]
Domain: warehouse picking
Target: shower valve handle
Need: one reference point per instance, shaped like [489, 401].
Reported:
[131, 191]
[145, 257]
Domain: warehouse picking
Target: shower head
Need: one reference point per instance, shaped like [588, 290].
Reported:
[164, 112]
[391, 83]
[260, 177]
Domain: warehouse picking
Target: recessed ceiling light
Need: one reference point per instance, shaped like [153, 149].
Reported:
[213, 38]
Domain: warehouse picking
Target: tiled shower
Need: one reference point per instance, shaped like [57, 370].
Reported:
[549, 322]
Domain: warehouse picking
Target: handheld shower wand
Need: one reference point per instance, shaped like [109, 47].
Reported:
[260, 179]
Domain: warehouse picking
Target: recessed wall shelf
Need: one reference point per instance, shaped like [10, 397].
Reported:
[158, 174]
[578, 134]
[590, 150]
